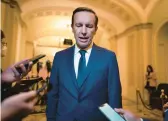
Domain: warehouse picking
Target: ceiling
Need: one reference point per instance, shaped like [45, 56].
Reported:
[53, 17]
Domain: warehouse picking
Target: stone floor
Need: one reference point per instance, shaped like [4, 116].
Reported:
[153, 115]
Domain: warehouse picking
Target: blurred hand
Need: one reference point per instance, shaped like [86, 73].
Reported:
[20, 104]
[165, 106]
[127, 115]
[11, 74]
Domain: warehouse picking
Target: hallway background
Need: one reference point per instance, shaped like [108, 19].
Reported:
[136, 30]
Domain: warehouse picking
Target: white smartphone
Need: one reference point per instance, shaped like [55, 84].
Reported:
[110, 113]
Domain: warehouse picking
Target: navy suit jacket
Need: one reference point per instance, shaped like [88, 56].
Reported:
[101, 84]
[146, 120]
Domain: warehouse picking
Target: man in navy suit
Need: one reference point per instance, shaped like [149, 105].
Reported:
[84, 76]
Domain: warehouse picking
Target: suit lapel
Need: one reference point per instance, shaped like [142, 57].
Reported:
[72, 82]
[91, 64]
[70, 67]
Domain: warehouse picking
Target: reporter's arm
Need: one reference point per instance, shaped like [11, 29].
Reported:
[20, 104]
[11, 74]
[128, 115]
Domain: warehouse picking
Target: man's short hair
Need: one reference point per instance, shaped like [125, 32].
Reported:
[81, 9]
[2, 35]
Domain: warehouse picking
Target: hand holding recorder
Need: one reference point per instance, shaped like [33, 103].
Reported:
[110, 113]
[127, 115]
[118, 114]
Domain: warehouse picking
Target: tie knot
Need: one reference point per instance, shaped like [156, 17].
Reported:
[82, 52]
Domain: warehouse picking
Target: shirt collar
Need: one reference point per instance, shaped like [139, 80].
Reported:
[76, 49]
[88, 51]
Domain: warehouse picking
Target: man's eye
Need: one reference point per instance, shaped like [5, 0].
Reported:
[89, 26]
[78, 25]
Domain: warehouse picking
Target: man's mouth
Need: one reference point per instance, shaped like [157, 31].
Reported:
[83, 38]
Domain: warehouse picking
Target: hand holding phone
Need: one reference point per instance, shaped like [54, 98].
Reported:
[11, 74]
[110, 113]
[34, 60]
[128, 116]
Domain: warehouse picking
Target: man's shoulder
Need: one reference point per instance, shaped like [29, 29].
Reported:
[65, 51]
[106, 51]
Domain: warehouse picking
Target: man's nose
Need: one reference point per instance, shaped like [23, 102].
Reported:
[84, 31]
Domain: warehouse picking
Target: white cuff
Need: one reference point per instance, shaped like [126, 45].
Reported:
[141, 119]
[166, 110]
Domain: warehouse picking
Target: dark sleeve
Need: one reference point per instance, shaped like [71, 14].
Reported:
[52, 96]
[5, 90]
[114, 85]
[144, 119]
[166, 116]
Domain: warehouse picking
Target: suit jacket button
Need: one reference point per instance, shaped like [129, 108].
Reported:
[79, 99]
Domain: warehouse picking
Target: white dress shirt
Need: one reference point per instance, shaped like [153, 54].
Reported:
[77, 56]
[166, 110]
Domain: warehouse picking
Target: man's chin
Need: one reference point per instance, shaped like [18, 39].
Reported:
[82, 46]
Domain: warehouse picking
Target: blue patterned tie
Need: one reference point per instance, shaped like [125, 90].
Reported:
[81, 68]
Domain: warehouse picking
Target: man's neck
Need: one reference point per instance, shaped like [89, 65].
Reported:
[90, 46]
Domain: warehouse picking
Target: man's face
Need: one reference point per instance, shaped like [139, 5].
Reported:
[84, 28]
[3, 48]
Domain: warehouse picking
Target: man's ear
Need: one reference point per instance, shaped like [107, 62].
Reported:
[72, 27]
[96, 29]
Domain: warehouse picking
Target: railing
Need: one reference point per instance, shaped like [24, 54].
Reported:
[138, 95]
[163, 97]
